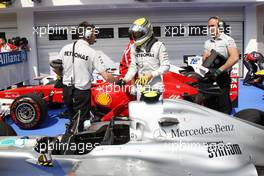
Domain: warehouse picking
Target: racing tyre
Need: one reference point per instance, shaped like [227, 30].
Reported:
[193, 75]
[6, 130]
[251, 115]
[28, 111]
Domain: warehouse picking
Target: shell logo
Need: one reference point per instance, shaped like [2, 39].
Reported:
[103, 99]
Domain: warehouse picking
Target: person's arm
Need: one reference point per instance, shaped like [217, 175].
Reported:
[108, 77]
[164, 63]
[206, 52]
[58, 71]
[99, 65]
[233, 55]
[132, 70]
[57, 64]
[125, 61]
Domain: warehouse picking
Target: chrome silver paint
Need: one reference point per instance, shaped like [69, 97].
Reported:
[180, 148]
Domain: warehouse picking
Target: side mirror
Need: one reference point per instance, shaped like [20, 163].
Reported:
[168, 121]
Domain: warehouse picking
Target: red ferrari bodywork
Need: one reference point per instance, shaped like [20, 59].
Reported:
[46, 91]
[108, 95]
[117, 98]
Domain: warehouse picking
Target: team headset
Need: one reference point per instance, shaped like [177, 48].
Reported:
[88, 32]
[221, 23]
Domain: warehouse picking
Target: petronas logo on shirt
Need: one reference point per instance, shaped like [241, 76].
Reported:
[77, 55]
[144, 55]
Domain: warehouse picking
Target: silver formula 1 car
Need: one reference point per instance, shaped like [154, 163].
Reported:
[172, 137]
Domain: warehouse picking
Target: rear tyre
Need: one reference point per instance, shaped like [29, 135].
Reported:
[28, 111]
[251, 115]
[6, 130]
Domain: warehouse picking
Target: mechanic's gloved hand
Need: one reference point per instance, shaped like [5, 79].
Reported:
[58, 83]
[216, 72]
[213, 73]
[143, 80]
[121, 82]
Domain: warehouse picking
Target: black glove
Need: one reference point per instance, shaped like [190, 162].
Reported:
[216, 72]
[120, 82]
[213, 73]
[58, 83]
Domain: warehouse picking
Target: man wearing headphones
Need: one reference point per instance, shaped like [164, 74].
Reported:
[149, 57]
[226, 46]
[78, 63]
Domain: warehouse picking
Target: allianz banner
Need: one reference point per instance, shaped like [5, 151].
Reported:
[9, 58]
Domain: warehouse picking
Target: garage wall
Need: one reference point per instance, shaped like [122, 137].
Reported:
[8, 24]
[260, 28]
[115, 18]
[14, 73]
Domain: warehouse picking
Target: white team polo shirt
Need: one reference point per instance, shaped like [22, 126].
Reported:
[155, 62]
[86, 59]
[220, 44]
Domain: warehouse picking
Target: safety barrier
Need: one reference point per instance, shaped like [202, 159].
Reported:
[13, 68]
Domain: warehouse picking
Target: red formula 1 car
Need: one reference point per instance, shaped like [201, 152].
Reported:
[28, 105]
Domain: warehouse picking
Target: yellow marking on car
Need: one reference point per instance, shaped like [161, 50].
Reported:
[151, 94]
[103, 99]
[260, 73]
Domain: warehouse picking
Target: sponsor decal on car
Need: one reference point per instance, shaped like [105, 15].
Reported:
[12, 95]
[160, 134]
[103, 99]
[220, 149]
[194, 60]
[171, 133]
[217, 128]
[173, 96]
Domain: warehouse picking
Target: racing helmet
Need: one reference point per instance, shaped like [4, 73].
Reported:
[254, 56]
[141, 31]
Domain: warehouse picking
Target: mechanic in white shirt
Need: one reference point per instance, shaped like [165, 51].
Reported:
[226, 46]
[79, 61]
[149, 57]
